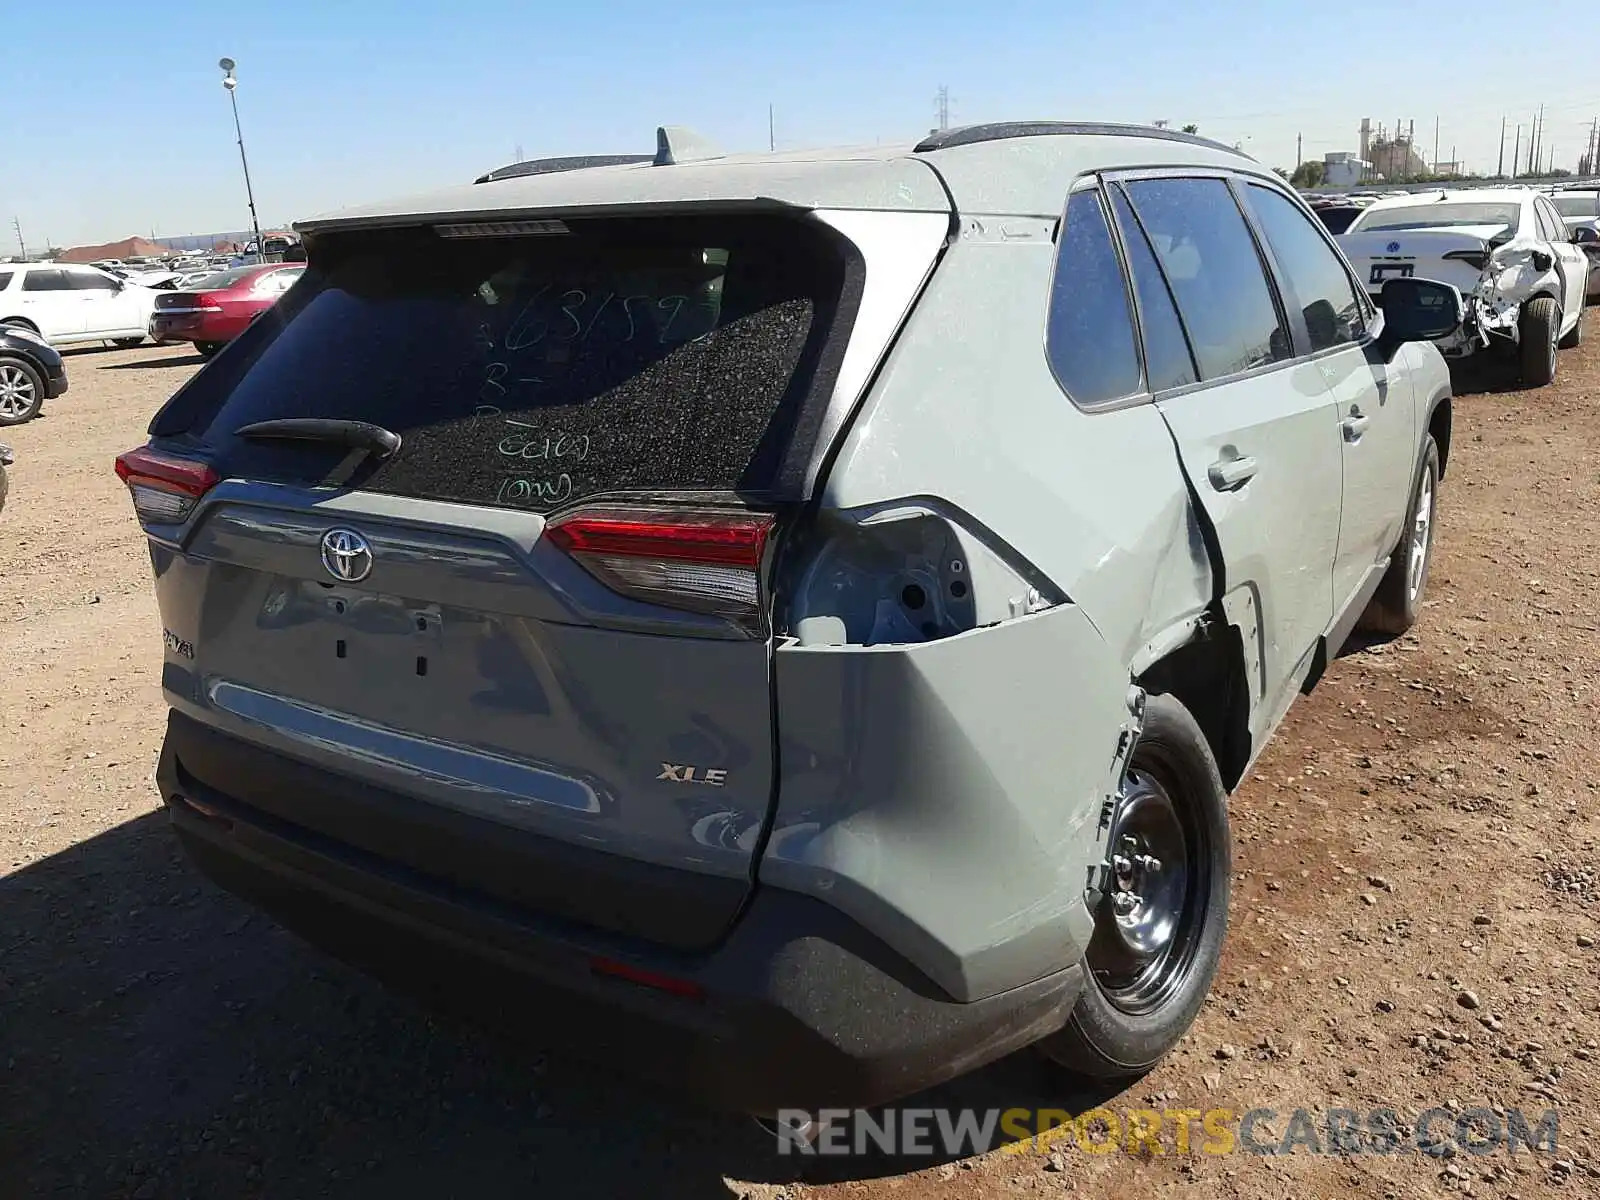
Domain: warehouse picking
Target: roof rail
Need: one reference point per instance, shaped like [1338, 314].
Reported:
[547, 166]
[945, 139]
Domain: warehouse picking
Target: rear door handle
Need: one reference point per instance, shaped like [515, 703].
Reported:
[1354, 427]
[1231, 474]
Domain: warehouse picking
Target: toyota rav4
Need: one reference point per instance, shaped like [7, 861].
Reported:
[788, 623]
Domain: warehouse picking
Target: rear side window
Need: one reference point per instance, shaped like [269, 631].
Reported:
[1167, 360]
[1090, 336]
[1210, 259]
[45, 281]
[1320, 283]
[5, 279]
[531, 372]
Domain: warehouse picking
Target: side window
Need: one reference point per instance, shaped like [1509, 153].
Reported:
[5, 279]
[45, 281]
[89, 281]
[1167, 360]
[1320, 282]
[1558, 227]
[1090, 335]
[1210, 259]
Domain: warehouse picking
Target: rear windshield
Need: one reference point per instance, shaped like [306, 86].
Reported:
[1585, 204]
[1440, 215]
[533, 371]
[223, 279]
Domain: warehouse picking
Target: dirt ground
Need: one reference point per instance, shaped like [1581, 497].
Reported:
[1415, 911]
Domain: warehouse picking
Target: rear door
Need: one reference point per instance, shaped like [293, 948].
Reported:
[106, 307]
[1571, 262]
[1257, 433]
[47, 299]
[1376, 409]
[545, 613]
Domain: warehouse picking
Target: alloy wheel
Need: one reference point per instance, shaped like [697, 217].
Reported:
[16, 392]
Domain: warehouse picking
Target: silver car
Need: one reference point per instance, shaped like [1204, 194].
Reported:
[787, 623]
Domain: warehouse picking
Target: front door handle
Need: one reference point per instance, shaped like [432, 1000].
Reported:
[1231, 474]
[1354, 426]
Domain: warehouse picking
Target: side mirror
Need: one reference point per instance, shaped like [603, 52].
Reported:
[1585, 235]
[1419, 310]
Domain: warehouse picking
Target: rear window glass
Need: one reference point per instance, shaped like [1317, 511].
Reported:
[1443, 214]
[531, 372]
[1584, 204]
[224, 279]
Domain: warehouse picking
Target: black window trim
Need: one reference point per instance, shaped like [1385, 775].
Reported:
[1089, 181]
[1166, 285]
[1227, 176]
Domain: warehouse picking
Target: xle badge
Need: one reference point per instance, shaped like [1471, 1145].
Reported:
[673, 773]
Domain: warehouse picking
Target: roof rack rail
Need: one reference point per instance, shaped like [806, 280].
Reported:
[547, 166]
[967, 135]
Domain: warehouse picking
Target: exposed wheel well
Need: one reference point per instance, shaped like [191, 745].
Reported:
[22, 321]
[1439, 426]
[1207, 677]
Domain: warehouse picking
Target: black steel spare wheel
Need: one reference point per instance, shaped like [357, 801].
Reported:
[1162, 913]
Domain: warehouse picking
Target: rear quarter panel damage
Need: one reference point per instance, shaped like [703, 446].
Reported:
[947, 792]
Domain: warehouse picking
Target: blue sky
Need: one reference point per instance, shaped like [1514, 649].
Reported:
[118, 124]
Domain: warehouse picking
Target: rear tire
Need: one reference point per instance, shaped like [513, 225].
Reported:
[1574, 338]
[1397, 603]
[207, 349]
[1143, 991]
[1537, 329]
[21, 390]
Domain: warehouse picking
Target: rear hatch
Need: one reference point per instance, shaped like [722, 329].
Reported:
[1457, 256]
[536, 633]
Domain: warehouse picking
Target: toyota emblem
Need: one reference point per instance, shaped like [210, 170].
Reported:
[346, 555]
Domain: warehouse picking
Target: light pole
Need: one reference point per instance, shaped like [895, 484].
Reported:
[229, 83]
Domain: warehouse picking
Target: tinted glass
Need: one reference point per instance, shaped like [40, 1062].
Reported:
[45, 281]
[1337, 220]
[90, 281]
[1167, 361]
[1090, 336]
[1438, 214]
[5, 279]
[1583, 204]
[532, 372]
[1314, 272]
[1210, 259]
[223, 279]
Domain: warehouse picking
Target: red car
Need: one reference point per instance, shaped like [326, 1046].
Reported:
[219, 307]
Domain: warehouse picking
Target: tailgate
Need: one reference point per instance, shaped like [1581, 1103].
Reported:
[1447, 256]
[540, 625]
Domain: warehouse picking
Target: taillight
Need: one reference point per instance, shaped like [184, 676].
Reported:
[1476, 259]
[165, 488]
[698, 560]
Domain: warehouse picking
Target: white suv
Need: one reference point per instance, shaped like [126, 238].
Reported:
[66, 304]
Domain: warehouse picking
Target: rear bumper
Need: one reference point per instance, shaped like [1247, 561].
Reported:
[797, 1007]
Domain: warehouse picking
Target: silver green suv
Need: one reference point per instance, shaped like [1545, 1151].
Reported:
[789, 623]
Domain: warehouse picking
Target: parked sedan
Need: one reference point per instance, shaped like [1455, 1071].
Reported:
[221, 306]
[31, 372]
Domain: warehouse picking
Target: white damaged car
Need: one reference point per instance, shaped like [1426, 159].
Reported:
[1508, 252]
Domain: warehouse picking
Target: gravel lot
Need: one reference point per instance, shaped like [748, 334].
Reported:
[1416, 908]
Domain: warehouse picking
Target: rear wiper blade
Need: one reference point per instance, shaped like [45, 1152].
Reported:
[356, 435]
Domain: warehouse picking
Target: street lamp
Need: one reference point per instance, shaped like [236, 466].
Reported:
[229, 83]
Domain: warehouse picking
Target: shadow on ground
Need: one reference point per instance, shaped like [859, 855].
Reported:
[182, 358]
[159, 1038]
